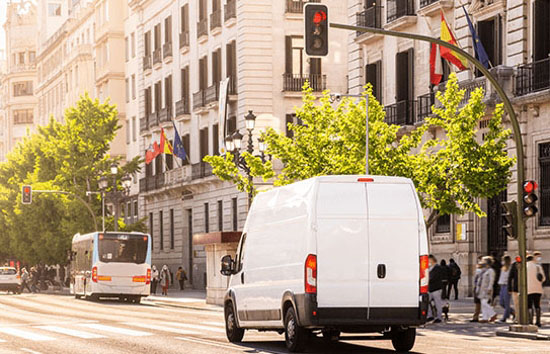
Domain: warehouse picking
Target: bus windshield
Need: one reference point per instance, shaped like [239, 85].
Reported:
[122, 248]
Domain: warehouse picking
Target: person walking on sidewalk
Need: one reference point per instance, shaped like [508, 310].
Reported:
[535, 278]
[181, 276]
[477, 284]
[154, 279]
[513, 283]
[445, 280]
[504, 295]
[485, 291]
[165, 279]
[435, 287]
[454, 277]
[25, 277]
[496, 265]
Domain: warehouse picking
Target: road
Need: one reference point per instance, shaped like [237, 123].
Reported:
[37, 323]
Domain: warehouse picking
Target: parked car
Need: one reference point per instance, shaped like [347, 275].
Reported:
[10, 280]
[331, 255]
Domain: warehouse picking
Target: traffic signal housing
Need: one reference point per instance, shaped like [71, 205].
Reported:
[529, 198]
[26, 194]
[510, 216]
[316, 31]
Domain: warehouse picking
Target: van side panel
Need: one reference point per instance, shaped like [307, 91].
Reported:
[342, 246]
[393, 245]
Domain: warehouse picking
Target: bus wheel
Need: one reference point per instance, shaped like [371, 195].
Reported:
[137, 300]
[92, 297]
[78, 297]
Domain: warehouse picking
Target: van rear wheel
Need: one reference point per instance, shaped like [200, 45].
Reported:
[295, 336]
[403, 339]
[232, 330]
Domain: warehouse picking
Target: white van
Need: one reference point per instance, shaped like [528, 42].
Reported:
[331, 254]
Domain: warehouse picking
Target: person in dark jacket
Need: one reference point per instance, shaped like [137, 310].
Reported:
[454, 277]
[497, 266]
[446, 276]
[435, 288]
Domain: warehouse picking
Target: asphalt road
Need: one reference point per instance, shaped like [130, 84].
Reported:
[32, 323]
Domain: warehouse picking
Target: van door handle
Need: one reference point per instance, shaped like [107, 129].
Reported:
[242, 278]
[381, 270]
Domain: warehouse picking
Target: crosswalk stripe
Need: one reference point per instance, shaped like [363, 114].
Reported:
[161, 328]
[111, 329]
[24, 334]
[2, 341]
[216, 324]
[205, 328]
[71, 332]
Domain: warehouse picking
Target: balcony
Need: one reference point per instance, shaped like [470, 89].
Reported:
[147, 65]
[151, 183]
[371, 17]
[165, 114]
[167, 50]
[153, 119]
[198, 99]
[184, 40]
[401, 113]
[297, 6]
[202, 28]
[425, 103]
[200, 170]
[399, 8]
[157, 56]
[424, 3]
[216, 19]
[295, 82]
[182, 107]
[211, 94]
[533, 77]
[230, 10]
[178, 175]
[143, 124]
[434, 7]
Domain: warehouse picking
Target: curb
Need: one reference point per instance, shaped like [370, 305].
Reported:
[182, 306]
[523, 335]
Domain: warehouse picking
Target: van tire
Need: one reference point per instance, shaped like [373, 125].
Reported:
[295, 336]
[403, 340]
[232, 330]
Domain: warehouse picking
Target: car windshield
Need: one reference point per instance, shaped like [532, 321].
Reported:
[122, 248]
[7, 271]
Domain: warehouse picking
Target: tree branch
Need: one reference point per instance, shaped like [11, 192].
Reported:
[432, 218]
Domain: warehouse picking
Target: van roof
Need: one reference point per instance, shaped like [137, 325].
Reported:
[354, 178]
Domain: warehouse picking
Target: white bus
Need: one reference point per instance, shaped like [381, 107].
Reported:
[111, 264]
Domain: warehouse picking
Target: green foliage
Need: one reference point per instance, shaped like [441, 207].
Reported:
[451, 169]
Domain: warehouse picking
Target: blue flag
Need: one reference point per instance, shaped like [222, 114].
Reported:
[481, 54]
[179, 149]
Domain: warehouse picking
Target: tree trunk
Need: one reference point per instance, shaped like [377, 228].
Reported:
[431, 219]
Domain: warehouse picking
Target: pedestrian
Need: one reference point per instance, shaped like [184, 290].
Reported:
[496, 265]
[535, 278]
[445, 280]
[181, 276]
[154, 279]
[513, 283]
[485, 290]
[504, 295]
[34, 280]
[25, 278]
[435, 288]
[454, 277]
[477, 283]
[165, 279]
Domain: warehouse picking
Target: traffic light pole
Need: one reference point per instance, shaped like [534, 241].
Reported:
[523, 315]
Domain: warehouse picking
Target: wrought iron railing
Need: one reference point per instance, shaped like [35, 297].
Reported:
[182, 107]
[147, 62]
[153, 119]
[143, 124]
[425, 103]
[424, 3]
[371, 17]
[533, 77]
[201, 170]
[165, 114]
[401, 113]
[167, 50]
[184, 39]
[297, 6]
[230, 10]
[202, 28]
[295, 82]
[157, 56]
[211, 94]
[216, 19]
[198, 99]
[399, 8]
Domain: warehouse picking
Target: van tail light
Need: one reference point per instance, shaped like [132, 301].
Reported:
[148, 279]
[94, 274]
[424, 275]
[311, 274]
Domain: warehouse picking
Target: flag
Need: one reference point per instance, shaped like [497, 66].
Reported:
[149, 155]
[446, 35]
[436, 68]
[165, 146]
[481, 54]
[179, 149]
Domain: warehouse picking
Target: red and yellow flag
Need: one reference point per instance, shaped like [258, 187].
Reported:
[447, 35]
[165, 146]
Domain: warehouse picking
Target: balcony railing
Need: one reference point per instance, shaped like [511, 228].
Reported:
[202, 28]
[157, 56]
[371, 17]
[147, 62]
[230, 10]
[401, 113]
[198, 99]
[215, 19]
[165, 114]
[143, 185]
[177, 175]
[184, 39]
[167, 50]
[211, 94]
[200, 170]
[153, 119]
[424, 3]
[143, 124]
[533, 77]
[470, 86]
[297, 6]
[399, 8]
[151, 183]
[182, 107]
[425, 103]
[295, 82]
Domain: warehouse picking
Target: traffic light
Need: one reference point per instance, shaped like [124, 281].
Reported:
[510, 225]
[529, 198]
[316, 31]
[26, 195]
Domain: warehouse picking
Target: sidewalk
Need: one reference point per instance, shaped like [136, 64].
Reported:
[190, 299]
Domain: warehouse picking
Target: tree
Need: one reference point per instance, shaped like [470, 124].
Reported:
[450, 172]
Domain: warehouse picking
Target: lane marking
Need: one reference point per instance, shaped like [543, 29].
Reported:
[2, 341]
[45, 324]
[204, 328]
[228, 346]
[161, 328]
[71, 332]
[24, 334]
[111, 329]
[29, 351]
[216, 324]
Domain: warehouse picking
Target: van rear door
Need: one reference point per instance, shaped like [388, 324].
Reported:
[393, 248]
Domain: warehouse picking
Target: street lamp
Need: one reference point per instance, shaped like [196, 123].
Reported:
[115, 195]
[250, 120]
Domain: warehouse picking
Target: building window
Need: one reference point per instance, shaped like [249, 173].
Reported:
[235, 215]
[490, 35]
[133, 44]
[135, 209]
[133, 86]
[373, 75]
[215, 140]
[126, 49]
[171, 229]
[231, 125]
[220, 215]
[32, 56]
[544, 166]
[161, 234]
[206, 218]
[185, 139]
[216, 66]
[22, 58]
[134, 128]
[54, 9]
[203, 73]
[128, 131]
[22, 88]
[23, 116]
[185, 84]
[127, 90]
[169, 159]
[151, 229]
[203, 142]
[157, 37]
[147, 43]
[168, 29]
[443, 224]
[168, 93]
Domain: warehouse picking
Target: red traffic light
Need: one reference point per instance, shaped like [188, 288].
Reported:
[319, 17]
[26, 189]
[530, 186]
[518, 259]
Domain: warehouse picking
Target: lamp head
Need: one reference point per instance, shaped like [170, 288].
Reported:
[250, 120]
[237, 140]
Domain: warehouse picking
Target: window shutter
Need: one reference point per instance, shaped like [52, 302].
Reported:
[410, 73]
[378, 92]
[288, 55]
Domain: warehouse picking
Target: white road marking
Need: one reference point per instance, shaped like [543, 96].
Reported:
[225, 346]
[29, 351]
[71, 332]
[111, 329]
[160, 328]
[216, 324]
[2, 341]
[24, 334]
[204, 328]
